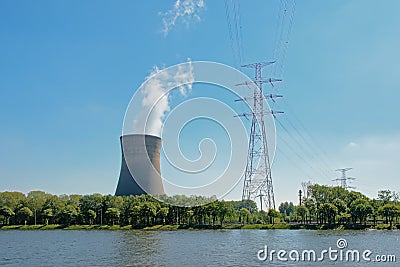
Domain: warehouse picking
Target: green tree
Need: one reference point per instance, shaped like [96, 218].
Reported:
[224, 209]
[68, 214]
[24, 214]
[244, 213]
[51, 208]
[375, 203]
[263, 217]
[328, 213]
[353, 196]
[110, 201]
[6, 212]
[212, 211]
[385, 196]
[190, 214]
[48, 214]
[343, 211]
[199, 214]
[163, 213]
[250, 205]
[89, 203]
[302, 212]
[319, 194]
[91, 215]
[36, 201]
[126, 210]
[148, 211]
[272, 214]
[310, 205]
[74, 200]
[360, 209]
[112, 215]
[340, 205]
[12, 199]
[337, 192]
[135, 214]
[389, 211]
[286, 209]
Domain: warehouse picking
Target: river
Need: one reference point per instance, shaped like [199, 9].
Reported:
[197, 248]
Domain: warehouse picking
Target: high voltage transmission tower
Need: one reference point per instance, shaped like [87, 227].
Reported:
[343, 179]
[258, 178]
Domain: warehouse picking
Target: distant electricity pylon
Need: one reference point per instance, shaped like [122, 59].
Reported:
[258, 179]
[343, 180]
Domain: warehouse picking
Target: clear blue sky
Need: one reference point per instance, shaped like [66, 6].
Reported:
[69, 68]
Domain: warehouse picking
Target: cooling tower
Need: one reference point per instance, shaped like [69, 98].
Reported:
[140, 167]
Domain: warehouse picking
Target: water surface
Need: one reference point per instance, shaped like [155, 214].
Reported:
[184, 247]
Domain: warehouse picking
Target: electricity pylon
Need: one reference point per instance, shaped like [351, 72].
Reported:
[258, 178]
[343, 179]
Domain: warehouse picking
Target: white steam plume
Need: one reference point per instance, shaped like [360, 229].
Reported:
[156, 98]
[185, 11]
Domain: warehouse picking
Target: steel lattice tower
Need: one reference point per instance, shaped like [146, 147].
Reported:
[343, 179]
[258, 179]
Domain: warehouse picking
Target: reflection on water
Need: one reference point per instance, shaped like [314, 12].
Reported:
[182, 247]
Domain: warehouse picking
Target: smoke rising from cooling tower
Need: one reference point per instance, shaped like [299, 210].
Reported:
[156, 97]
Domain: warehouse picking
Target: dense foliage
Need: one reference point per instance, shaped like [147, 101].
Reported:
[38, 207]
[335, 205]
[322, 205]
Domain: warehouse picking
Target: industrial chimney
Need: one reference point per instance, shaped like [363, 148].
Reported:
[140, 167]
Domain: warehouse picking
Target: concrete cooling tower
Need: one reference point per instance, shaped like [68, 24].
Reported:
[140, 167]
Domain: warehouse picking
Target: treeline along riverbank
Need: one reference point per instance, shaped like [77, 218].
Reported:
[323, 207]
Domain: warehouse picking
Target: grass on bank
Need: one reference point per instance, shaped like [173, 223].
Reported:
[175, 227]
[31, 227]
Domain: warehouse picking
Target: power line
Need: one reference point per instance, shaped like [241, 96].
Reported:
[298, 166]
[303, 148]
[277, 28]
[233, 19]
[308, 146]
[237, 31]
[241, 35]
[320, 152]
[286, 40]
[281, 28]
[302, 158]
[232, 43]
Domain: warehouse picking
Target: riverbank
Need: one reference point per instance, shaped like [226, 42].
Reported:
[200, 227]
